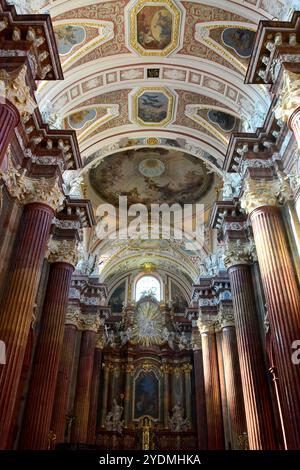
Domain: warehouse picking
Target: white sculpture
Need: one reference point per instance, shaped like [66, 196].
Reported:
[113, 420]
[177, 422]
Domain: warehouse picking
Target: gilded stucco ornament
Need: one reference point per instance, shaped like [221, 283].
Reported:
[237, 252]
[259, 193]
[73, 316]
[226, 316]
[13, 87]
[63, 251]
[289, 98]
[44, 191]
[90, 322]
[206, 324]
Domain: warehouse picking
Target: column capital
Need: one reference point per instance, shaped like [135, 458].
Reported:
[206, 324]
[289, 97]
[196, 339]
[226, 316]
[15, 89]
[264, 192]
[238, 252]
[63, 251]
[90, 322]
[73, 316]
[30, 190]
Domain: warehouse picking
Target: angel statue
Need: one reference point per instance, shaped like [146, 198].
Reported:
[113, 420]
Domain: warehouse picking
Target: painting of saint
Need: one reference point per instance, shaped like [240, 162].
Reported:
[240, 40]
[152, 106]
[146, 395]
[79, 119]
[68, 37]
[154, 27]
[225, 121]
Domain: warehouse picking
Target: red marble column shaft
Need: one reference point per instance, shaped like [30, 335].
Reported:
[9, 119]
[215, 434]
[83, 387]
[257, 400]
[222, 389]
[18, 302]
[200, 400]
[234, 392]
[64, 376]
[22, 383]
[94, 400]
[283, 301]
[37, 418]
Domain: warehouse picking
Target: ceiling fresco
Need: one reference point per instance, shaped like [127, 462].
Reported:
[146, 176]
[154, 90]
[154, 27]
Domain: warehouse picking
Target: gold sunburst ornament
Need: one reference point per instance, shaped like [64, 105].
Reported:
[147, 326]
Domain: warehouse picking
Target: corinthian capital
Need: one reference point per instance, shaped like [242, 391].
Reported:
[42, 190]
[226, 316]
[238, 252]
[259, 193]
[14, 89]
[73, 316]
[63, 251]
[90, 322]
[206, 324]
[289, 98]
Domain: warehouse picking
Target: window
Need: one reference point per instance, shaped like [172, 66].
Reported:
[147, 285]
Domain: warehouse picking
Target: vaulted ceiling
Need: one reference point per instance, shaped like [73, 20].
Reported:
[159, 74]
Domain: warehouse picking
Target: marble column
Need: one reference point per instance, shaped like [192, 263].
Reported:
[281, 291]
[187, 368]
[104, 407]
[41, 392]
[90, 325]
[19, 297]
[166, 402]
[9, 119]
[215, 434]
[128, 368]
[227, 437]
[58, 421]
[257, 400]
[233, 383]
[200, 396]
[95, 386]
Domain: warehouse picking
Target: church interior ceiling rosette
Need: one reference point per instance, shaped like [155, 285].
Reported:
[148, 85]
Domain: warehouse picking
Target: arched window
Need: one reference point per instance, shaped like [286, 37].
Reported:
[147, 285]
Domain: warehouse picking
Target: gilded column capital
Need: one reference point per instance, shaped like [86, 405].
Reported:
[44, 191]
[63, 251]
[206, 324]
[289, 97]
[90, 322]
[259, 193]
[238, 252]
[196, 340]
[29, 190]
[186, 368]
[14, 88]
[226, 317]
[73, 316]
